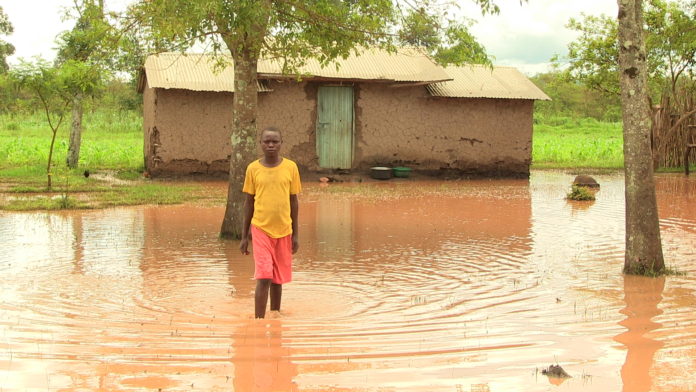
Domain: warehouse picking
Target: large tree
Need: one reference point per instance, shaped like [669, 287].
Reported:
[90, 42]
[6, 48]
[670, 39]
[447, 40]
[643, 243]
[288, 30]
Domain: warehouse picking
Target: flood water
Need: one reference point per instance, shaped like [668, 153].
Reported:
[398, 286]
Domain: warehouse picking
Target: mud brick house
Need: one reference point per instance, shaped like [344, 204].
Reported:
[376, 109]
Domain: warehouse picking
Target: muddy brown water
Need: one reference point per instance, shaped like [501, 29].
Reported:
[399, 286]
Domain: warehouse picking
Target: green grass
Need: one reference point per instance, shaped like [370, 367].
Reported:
[109, 141]
[112, 151]
[563, 142]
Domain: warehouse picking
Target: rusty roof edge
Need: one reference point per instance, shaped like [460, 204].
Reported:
[435, 92]
[302, 78]
[418, 83]
[515, 85]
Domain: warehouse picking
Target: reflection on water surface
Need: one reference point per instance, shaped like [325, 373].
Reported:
[399, 286]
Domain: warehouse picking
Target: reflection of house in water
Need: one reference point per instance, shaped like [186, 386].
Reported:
[429, 223]
[335, 228]
[375, 232]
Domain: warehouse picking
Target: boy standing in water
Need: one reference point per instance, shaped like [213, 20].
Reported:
[271, 185]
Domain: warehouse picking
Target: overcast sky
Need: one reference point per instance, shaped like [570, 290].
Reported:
[524, 36]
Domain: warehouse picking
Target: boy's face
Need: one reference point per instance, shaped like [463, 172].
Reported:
[270, 142]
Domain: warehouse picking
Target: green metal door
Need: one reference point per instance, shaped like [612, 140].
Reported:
[335, 127]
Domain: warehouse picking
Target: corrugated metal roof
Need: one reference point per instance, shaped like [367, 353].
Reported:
[195, 72]
[199, 72]
[480, 81]
[405, 65]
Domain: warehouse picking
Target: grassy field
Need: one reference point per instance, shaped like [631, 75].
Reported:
[563, 142]
[112, 143]
[112, 146]
[110, 140]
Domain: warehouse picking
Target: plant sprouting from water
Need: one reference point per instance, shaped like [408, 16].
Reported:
[580, 193]
[650, 271]
[65, 201]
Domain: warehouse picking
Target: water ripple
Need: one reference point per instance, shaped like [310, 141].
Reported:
[472, 290]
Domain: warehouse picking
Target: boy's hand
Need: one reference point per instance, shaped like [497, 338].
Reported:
[295, 244]
[244, 246]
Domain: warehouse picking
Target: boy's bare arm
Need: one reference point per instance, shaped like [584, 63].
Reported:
[248, 213]
[294, 211]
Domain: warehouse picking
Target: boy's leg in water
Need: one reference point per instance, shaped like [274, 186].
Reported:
[261, 297]
[276, 294]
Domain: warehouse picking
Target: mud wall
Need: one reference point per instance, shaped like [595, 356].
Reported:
[188, 132]
[191, 129]
[405, 126]
[291, 107]
[149, 130]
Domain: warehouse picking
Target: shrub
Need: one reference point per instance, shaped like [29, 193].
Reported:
[580, 193]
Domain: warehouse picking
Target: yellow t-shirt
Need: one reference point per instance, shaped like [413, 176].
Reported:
[272, 187]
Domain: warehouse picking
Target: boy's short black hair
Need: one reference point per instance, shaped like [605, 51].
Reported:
[272, 129]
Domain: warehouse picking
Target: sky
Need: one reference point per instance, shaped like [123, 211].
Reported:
[523, 36]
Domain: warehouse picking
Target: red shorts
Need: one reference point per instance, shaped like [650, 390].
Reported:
[272, 256]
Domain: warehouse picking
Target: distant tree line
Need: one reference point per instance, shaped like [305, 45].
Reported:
[572, 98]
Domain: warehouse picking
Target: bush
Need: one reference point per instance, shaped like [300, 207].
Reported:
[580, 193]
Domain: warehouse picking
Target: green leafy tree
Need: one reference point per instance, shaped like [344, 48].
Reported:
[670, 39]
[593, 56]
[448, 41]
[643, 243]
[6, 48]
[92, 43]
[670, 47]
[288, 30]
[54, 87]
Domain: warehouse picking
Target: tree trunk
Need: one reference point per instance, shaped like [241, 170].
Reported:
[49, 172]
[75, 132]
[643, 243]
[243, 139]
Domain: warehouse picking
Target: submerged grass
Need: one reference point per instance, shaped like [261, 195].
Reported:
[651, 272]
[102, 195]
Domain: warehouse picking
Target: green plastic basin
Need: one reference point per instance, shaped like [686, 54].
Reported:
[402, 172]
